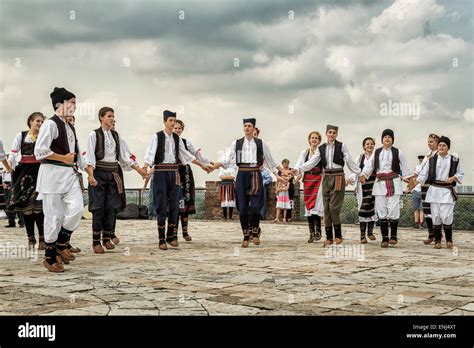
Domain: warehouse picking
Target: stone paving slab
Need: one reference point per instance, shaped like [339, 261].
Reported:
[213, 275]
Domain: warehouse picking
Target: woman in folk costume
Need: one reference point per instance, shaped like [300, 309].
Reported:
[365, 199]
[8, 168]
[313, 196]
[442, 173]
[23, 197]
[227, 195]
[388, 162]
[188, 192]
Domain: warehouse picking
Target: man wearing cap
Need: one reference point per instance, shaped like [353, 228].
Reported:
[333, 156]
[165, 152]
[106, 152]
[249, 154]
[389, 164]
[433, 149]
[59, 183]
[442, 173]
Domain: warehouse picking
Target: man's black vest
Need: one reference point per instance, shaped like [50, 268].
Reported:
[100, 144]
[160, 149]
[238, 151]
[338, 156]
[395, 159]
[60, 145]
[453, 167]
[26, 149]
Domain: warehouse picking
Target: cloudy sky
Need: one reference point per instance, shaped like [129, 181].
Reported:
[294, 65]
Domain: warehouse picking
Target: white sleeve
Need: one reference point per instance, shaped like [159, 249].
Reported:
[125, 154]
[310, 163]
[3, 155]
[423, 174]
[268, 160]
[406, 170]
[90, 152]
[81, 163]
[301, 158]
[197, 153]
[16, 147]
[228, 158]
[48, 132]
[151, 151]
[459, 173]
[368, 166]
[353, 167]
[353, 176]
[184, 156]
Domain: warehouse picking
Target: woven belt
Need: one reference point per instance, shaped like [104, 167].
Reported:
[167, 167]
[29, 160]
[107, 166]
[57, 163]
[443, 184]
[248, 168]
[333, 171]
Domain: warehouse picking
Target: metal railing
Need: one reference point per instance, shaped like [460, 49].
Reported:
[463, 211]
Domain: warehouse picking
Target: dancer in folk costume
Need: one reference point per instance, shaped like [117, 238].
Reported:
[165, 152]
[333, 156]
[282, 194]
[365, 198]
[442, 173]
[249, 154]
[188, 192]
[59, 183]
[227, 191]
[433, 149]
[105, 155]
[313, 195]
[23, 197]
[389, 163]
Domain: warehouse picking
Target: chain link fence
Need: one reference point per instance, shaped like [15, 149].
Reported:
[463, 211]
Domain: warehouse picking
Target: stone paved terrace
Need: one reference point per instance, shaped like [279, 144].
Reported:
[213, 276]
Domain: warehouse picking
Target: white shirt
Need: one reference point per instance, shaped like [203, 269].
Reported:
[110, 154]
[15, 152]
[440, 194]
[184, 156]
[302, 158]
[53, 178]
[385, 166]
[314, 160]
[248, 155]
[424, 162]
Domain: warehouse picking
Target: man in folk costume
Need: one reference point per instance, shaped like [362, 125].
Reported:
[165, 152]
[442, 173]
[188, 192]
[365, 198]
[433, 149]
[249, 154]
[333, 156]
[313, 194]
[389, 163]
[105, 154]
[59, 183]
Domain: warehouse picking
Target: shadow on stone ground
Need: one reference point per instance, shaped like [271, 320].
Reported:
[212, 275]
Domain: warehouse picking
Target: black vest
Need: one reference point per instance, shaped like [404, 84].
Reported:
[338, 156]
[453, 167]
[160, 149]
[395, 159]
[60, 145]
[26, 149]
[185, 144]
[100, 144]
[306, 158]
[238, 149]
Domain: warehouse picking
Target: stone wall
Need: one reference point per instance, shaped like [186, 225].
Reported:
[213, 203]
